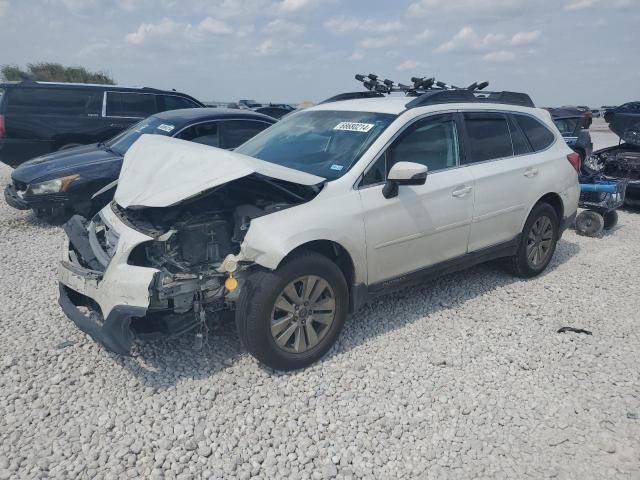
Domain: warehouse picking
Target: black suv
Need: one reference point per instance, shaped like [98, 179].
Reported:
[40, 117]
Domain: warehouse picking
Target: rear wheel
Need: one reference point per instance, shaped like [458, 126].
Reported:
[537, 244]
[589, 223]
[290, 317]
[610, 219]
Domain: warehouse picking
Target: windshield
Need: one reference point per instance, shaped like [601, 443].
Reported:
[121, 143]
[323, 143]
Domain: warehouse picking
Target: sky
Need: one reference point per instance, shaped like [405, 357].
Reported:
[581, 52]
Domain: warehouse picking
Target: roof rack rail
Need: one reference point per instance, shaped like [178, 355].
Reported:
[429, 91]
[352, 96]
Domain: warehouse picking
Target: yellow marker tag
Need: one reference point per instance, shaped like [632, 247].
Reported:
[231, 283]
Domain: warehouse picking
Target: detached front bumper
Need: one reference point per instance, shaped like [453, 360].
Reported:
[102, 300]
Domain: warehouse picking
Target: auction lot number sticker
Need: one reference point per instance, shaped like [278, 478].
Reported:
[354, 126]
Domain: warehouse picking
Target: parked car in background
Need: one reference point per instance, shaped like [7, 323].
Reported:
[275, 110]
[248, 104]
[37, 118]
[317, 215]
[570, 123]
[621, 161]
[63, 183]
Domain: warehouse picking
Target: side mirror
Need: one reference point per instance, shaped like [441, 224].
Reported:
[404, 173]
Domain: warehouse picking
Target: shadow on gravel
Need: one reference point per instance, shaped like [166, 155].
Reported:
[395, 310]
[162, 363]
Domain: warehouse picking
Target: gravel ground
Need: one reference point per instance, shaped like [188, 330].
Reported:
[463, 377]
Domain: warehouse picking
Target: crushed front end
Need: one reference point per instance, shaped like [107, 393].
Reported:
[142, 271]
[619, 162]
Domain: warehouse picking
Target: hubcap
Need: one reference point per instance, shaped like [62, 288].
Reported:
[303, 314]
[539, 241]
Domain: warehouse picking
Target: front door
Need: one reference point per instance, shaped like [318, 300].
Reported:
[424, 224]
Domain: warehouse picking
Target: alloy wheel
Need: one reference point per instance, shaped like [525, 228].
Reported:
[540, 241]
[303, 314]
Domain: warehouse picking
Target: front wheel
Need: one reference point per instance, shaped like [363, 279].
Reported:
[289, 318]
[537, 244]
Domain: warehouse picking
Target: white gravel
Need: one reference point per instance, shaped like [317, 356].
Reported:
[464, 377]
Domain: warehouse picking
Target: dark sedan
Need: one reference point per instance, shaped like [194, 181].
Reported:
[63, 183]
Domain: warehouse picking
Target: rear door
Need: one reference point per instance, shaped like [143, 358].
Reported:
[40, 119]
[507, 176]
[122, 109]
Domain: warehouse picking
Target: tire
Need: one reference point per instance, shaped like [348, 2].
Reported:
[540, 233]
[589, 223]
[610, 219]
[261, 324]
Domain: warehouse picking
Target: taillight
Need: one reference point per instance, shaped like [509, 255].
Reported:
[3, 131]
[574, 160]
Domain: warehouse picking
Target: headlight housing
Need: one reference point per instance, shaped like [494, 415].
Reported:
[51, 186]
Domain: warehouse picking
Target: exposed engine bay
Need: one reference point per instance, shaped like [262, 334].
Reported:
[622, 161]
[193, 238]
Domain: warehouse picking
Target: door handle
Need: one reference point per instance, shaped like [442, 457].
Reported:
[461, 192]
[531, 172]
[116, 125]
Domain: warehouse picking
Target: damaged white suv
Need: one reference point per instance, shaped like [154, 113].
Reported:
[310, 219]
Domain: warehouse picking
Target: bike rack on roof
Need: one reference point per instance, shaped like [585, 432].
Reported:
[428, 91]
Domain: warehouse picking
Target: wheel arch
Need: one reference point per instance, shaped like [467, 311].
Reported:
[553, 199]
[338, 254]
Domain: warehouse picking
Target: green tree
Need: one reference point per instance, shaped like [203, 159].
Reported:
[54, 72]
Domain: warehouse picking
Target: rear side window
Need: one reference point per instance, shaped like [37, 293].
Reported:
[172, 102]
[54, 101]
[520, 142]
[236, 132]
[205, 133]
[540, 137]
[125, 104]
[489, 137]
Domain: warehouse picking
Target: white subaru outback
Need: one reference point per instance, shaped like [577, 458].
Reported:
[316, 215]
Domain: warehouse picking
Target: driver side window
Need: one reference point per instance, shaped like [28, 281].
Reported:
[432, 141]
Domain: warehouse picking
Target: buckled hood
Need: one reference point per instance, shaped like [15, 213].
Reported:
[163, 171]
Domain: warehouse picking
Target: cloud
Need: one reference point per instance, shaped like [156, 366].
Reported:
[340, 25]
[266, 48]
[524, 38]
[214, 26]
[150, 30]
[486, 8]
[285, 7]
[574, 5]
[408, 65]
[356, 56]
[468, 39]
[377, 42]
[4, 7]
[283, 27]
[422, 36]
[499, 56]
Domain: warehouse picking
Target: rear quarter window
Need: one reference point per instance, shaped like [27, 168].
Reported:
[54, 101]
[540, 137]
[133, 105]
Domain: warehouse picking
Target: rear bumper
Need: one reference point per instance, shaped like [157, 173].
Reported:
[13, 199]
